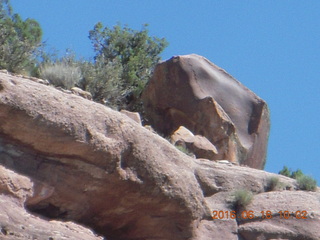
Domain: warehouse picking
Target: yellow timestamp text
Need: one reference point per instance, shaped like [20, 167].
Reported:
[219, 214]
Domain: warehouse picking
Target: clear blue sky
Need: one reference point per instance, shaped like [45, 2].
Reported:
[272, 47]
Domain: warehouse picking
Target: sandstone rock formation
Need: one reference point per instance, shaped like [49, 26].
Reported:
[81, 93]
[190, 91]
[68, 161]
[17, 223]
[133, 115]
[199, 145]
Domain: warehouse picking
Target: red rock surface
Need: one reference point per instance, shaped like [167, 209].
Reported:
[191, 91]
[17, 223]
[70, 165]
[200, 146]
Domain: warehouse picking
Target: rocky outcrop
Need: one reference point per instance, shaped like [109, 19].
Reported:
[81, 93]
[200, 146]
[190, 91]
[133, 115]
[17, 223]
[84, 163]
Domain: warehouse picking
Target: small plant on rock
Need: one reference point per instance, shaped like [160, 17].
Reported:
[307, 183]
[273, 183]
[241, 198]
[184, 150]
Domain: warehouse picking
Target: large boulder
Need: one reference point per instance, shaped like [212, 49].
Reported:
[70, 161]
[191, 91]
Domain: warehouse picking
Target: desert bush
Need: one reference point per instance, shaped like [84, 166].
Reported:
[273, 183]
[135, 51]
[288, 173]
[104, 83]
[285, 171]
[297, 174]
[304, 182]
[19, 40]
[184, 150]
[60, 74]
[307, 183]
[241, 198]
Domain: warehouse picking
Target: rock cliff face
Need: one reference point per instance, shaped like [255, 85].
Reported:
[70, 165]
[191, 91]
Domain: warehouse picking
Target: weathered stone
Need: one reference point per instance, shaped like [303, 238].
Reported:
[5, 71]
[199, 145]
[107, 172]
[150, 128]
[133, 115]
[182, 134]
[81, 93]
[17, 223]
[14, 185]
[85, 163]
[292, 215]
[190, 91]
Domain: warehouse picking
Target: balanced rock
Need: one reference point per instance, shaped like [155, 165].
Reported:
[191, 91]
[199, 145]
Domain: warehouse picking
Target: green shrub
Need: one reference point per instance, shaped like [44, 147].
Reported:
[19, 40]
[304, 182]
[288, 173]
[184, 150]
[60, 74]
[135, 51]
[285, 172]
[241, 198]
[273, 183]
[297, 174]
[307, 183]
[103, 81]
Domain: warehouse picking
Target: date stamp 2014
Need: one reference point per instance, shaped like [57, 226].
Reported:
[216, 214]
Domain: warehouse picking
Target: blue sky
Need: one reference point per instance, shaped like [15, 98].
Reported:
[272, 47]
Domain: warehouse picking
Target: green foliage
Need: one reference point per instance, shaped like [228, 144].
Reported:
[241, 198]
[133, 53]
[304, 182]
[19, 40]
[123, 62]
[61, 74]
[273, 183]
[288, 173]
[297, 174]
[307, 183]
[184, 150]
[64, 72]
[103, 81]
[285, 172]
